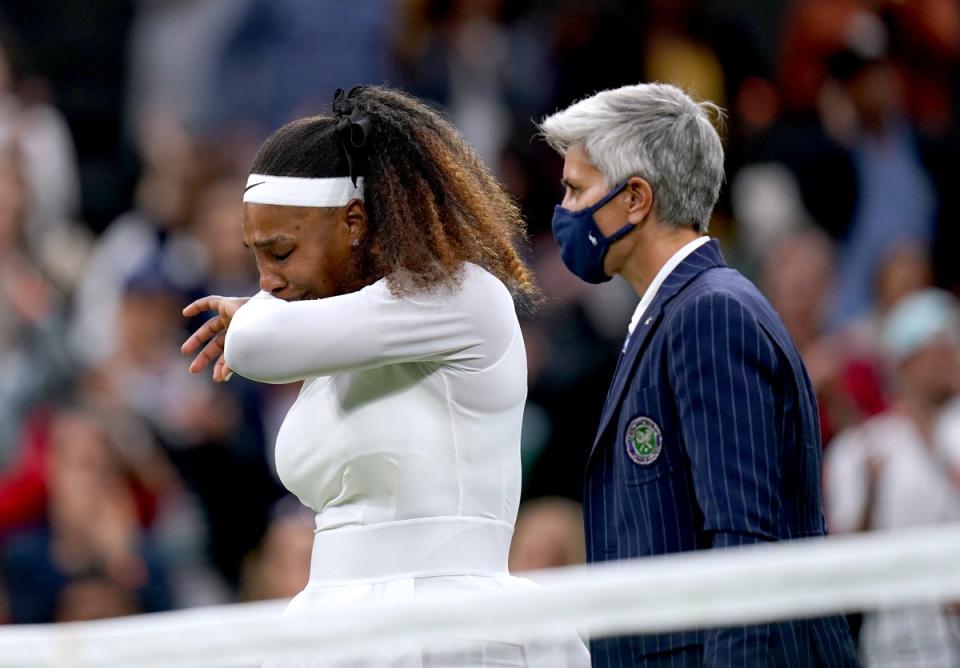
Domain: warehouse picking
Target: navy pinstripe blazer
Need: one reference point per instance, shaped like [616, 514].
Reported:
[709, 438]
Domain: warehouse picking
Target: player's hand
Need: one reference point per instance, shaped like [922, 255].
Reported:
[210, 337]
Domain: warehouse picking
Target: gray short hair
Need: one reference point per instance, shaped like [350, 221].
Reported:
[654, 131]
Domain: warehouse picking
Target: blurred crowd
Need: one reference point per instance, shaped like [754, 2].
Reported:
[128, 485]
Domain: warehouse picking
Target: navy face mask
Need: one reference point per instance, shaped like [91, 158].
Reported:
[582, 245]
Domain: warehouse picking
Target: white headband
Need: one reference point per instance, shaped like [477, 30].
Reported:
[297, 191]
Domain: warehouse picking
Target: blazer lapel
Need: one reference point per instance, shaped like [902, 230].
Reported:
[705, 257]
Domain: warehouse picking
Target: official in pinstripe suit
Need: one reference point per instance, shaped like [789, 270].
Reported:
[709, 437]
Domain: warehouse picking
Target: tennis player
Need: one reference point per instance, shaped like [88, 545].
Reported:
[388, 274]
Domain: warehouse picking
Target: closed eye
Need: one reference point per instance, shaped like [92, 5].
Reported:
[280, 257]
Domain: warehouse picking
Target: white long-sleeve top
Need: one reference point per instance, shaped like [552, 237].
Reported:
[411, 406]
[405, 440]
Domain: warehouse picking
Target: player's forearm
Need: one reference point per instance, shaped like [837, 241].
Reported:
[273, 341]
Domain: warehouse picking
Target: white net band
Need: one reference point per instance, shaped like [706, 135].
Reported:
[684, 591]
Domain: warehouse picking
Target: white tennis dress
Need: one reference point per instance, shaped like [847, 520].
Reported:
[405, 440]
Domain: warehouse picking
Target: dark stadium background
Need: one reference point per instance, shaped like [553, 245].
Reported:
[125, 132]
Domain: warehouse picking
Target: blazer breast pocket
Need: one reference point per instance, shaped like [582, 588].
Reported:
[641, 439]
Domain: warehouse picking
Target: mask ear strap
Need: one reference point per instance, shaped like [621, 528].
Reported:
[606, 198]
[619, 234]
[627, 228]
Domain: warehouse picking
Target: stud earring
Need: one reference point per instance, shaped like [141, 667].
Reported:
[355, 242]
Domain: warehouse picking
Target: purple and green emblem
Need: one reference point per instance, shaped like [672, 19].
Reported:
[644, 440]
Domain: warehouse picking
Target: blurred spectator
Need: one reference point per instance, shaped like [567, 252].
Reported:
[285, 58]
[77, 51]
[23, 483]
[768, 207]
[853, 386]
[902, 269]
[488, 68]
[39, 134]
[927, 37]
[896, 198]
[812, 31]
[548, 534]
[94, 597]
[691, 44]
[174, 55]
[572, 342]
[798, 276]
[228, 267]
[925, 34]
[210, 432]
[92, 528]
[902, 468]
[33, 362]
[152, 234]
[867, 173]
[280, 566]
[145, 372]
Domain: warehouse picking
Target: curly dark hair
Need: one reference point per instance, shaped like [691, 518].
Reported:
[431, 203]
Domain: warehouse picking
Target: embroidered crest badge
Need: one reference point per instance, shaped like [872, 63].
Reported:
[644, 440]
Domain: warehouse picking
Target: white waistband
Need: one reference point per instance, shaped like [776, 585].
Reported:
[411, 548]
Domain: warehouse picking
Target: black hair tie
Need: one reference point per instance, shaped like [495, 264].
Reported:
[354, 129]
